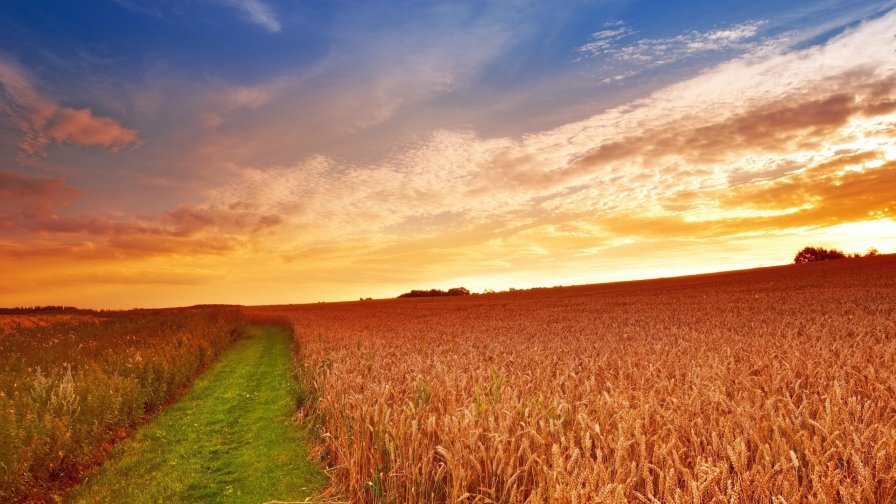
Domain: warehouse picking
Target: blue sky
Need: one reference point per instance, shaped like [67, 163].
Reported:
[252, 41]
[517, 44]
[376, 127]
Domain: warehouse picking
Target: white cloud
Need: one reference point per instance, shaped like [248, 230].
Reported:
[606, 39]
[259, 13]
[614, 44]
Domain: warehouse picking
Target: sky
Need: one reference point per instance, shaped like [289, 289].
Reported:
[176, 152]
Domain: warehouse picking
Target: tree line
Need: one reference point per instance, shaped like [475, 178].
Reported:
[24, 310]
[456, 291]
[815, 254]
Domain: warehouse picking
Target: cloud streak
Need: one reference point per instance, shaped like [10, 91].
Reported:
[257, 12]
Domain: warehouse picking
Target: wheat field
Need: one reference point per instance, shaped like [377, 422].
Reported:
[73, 386]
[772, 385]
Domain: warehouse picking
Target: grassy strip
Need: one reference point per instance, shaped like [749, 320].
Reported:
[229, 439]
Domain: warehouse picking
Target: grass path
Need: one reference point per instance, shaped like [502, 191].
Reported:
[229, 439]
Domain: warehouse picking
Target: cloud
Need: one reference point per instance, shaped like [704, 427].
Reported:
[16, 188]
[80, 126]
[614, 43]
[781, 126]
[25, 197]
[364, 85]
[372, 75]
[843, 189]
[37, 207]
[749, 119]
[258, 12]
[237, 217]
[42, 121]
[606, 40]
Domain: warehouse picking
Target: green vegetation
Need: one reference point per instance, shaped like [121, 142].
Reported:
[229, 439]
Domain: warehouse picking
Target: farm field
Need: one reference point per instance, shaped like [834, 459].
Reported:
[769, 385]
[273, 251]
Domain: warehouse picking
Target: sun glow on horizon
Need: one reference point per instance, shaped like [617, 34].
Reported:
[277, 172]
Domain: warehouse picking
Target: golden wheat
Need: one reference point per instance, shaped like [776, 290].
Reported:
[775, 385]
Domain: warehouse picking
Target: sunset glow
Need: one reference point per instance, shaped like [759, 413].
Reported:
[258, 152]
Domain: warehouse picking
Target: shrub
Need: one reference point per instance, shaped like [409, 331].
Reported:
[456, 291]
[814, 254]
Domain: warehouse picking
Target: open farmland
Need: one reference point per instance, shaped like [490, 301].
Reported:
[771, 385]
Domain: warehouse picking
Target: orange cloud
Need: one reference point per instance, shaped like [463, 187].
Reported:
[33, 209]
[16, 188]
[236, 217]
[42, 121]
[28, 198]
[80, 126]
[819, 196]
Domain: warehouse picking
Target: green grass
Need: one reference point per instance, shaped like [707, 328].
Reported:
[229, 439]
